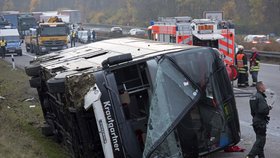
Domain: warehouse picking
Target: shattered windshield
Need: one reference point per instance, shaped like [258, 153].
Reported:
[174, 94]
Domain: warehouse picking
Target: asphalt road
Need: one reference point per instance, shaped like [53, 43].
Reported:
[270, 75]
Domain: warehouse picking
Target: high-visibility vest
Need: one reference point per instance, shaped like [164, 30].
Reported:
[239, 58]
[254, 63]
[2, 43]
[255, 66]
[74, 34]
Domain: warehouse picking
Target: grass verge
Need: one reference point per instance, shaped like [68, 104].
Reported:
[20, 120]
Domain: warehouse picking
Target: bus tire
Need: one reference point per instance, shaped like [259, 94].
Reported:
[32, 70]
[56, 85]
[35, 82]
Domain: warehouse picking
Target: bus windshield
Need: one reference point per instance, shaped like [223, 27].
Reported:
[191, 113]
[173, 96]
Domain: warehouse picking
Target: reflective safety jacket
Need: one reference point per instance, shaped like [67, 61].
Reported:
[3, 43]
[73, 35]
[255, 62]
[241, 62]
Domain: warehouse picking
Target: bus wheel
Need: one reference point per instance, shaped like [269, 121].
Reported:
[56, 85]
[32, 70]
[35, 82]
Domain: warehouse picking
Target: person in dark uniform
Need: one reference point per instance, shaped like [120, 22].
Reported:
[93, 35]
[89, 36]
[259, 111]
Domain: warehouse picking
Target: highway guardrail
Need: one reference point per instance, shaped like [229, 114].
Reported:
[265, 54]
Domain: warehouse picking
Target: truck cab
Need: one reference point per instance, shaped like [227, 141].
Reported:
[25, 22]
[50, 36]
[130, 97]
[198, 32]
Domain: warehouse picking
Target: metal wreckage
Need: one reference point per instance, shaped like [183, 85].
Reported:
[135, 98]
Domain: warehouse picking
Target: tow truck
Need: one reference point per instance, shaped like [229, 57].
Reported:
[198, 32]
[49, 36]
[129, 97]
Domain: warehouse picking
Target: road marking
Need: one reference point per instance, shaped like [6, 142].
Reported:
[32, 56]
[244, 90]
[269, 130]
[270, 64]
[238, 89]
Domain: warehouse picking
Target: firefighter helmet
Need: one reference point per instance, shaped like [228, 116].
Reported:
[240, 48]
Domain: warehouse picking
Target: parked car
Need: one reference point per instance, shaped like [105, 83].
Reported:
[137, 32]
[278, 40]
[116, 31]
[83, 36]
[13, 41]
[257, 39]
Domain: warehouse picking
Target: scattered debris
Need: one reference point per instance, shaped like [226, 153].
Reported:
[8, 107]
[234, 149]
[29, 99]
[32, 106]
[2, 98]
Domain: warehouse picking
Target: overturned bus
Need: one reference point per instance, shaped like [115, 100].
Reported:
[136, 98]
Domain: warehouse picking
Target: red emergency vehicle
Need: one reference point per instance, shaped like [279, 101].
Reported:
[199, 32]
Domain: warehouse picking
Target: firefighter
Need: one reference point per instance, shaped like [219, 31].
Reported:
[3, 45]
[259, 111]
[254, 66]
[242, 67]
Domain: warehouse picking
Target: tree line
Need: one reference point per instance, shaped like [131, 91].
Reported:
[249, 16]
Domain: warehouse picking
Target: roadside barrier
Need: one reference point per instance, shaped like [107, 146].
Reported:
[13, 61]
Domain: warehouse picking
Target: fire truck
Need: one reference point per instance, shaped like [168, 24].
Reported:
[198, 32]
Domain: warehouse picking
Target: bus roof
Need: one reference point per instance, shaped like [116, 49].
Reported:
[92, 55]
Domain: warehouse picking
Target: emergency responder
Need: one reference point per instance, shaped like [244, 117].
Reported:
[93, 35]
[259, 111]
[89, 36]
[73, 38]
[3, 45]
[254, 66]
[242, 67]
